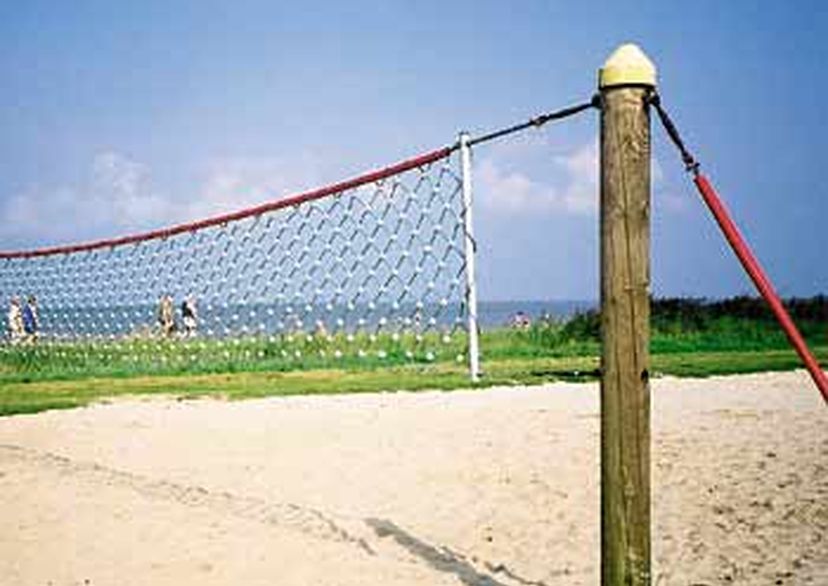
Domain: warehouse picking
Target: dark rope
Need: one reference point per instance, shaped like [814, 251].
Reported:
[690, 163]
[538, 121]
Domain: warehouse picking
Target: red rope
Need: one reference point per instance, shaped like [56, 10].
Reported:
[760, 279]
[384, 173]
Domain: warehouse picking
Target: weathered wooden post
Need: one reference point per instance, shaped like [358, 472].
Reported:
[625, 82]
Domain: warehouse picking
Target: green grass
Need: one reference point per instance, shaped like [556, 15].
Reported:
[162, 356]
[689, 338]
[30, 397]
[159, 356]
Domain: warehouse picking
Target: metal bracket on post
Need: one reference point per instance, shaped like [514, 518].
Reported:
[469, 249]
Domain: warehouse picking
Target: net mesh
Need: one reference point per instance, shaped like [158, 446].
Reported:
[372, 272]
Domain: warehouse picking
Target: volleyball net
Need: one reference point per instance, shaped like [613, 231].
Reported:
[378, 269]
[373, 268]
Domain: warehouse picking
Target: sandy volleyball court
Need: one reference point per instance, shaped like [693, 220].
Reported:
[488, 488]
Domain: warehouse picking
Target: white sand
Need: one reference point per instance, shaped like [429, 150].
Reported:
[488, 488]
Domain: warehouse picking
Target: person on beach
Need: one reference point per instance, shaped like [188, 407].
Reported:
[189, 316]
[166, 317]
[521, 321]
[15, 321]
[31, 319]
[319, 330]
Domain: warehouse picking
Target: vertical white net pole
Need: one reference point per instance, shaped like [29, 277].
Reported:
[469, 249]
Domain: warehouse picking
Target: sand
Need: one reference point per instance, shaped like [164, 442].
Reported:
[488, 488]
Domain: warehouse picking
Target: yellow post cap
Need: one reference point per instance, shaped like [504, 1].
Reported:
[628, 65]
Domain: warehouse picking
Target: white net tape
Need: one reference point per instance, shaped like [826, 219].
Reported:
[373, 273]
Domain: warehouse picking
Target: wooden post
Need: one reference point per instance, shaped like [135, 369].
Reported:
[625, 81]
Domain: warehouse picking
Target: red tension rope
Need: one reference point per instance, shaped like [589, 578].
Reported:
[760, 279]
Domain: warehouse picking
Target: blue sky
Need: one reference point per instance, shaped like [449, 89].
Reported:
[119, 116]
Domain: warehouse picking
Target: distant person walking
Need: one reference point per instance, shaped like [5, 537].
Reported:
[189, 315]
[15, 321]
[319, 330]
[521, 321]
[31, 319]
[166, 315]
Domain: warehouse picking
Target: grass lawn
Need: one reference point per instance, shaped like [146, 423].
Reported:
[33, 395]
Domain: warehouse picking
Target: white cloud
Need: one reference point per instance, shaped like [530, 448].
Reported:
[121, 193]
[671, 202]
[581, 192]
[233, 183]
[575, 190]
[511, 192]
[119, 196]
[656, 172]
[516, 193]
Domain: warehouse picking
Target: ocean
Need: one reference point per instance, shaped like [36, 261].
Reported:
[232, 319]
[495, 314]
